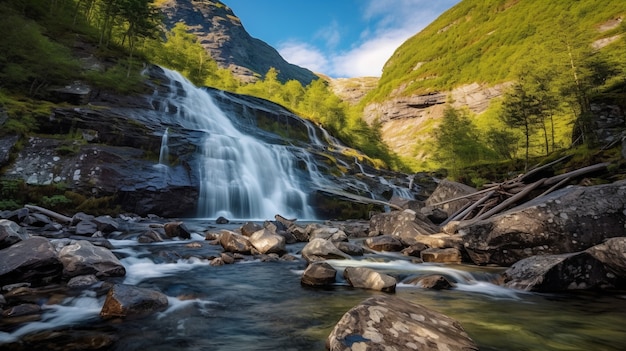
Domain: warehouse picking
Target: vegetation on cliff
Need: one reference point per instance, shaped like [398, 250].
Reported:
[556, 58]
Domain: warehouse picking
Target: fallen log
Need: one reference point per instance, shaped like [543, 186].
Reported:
[510, 201]
[59, 217]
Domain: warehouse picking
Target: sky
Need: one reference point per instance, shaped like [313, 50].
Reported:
[339, 38]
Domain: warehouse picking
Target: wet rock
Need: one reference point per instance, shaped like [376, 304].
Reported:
[328, 233]
[21, 310]
[433, 281]
[366, 278]
[384, 243]
[81, 216]
[318, 274]
[177, 230]
[320, 249]
[349, 248]
[83, 258]
[450, 255]
[86, 228]
[71, 340]
[131, 301]
[249, 228]
[414, 250]
[551, 273]
[267, 242]
[568, 220]
[405, 225]
[106, 224]
[149, 236]
[82, 281]
[301, 234]
[33, 260]
[447, 190]
[221, 220]
[11, 233]
[389, 323]
[236, 243]
[612, 253]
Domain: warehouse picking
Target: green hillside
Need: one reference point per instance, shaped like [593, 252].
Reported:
[489, 40]
[565, 55]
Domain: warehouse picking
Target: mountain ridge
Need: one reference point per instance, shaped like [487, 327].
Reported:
[223, 36]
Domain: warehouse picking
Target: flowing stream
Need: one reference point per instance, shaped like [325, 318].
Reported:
[254, 305]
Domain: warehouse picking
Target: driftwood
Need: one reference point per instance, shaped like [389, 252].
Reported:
[59, 217]
[498, 197]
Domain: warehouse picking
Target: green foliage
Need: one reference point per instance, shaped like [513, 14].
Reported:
[457, 140]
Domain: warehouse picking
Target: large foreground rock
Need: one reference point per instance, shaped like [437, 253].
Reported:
[391, 323]
[570, 220]
[33, 260]
[131, 301]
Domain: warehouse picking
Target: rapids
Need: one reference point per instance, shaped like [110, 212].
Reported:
[254, 305]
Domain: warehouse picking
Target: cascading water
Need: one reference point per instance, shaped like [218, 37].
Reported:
[240, 177]
[164, 151]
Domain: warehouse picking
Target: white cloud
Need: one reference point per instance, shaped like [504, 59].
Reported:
[304, 55]
[389, 24]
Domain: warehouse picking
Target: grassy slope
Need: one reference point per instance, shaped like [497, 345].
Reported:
[488, 41]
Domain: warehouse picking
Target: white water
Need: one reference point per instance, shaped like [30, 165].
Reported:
[164, 151]
[240, 177]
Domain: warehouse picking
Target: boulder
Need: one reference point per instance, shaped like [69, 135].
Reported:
[447, 190]
[552, 273]
[106, 224]
[267, 242]
[449, 255]
[318, 274]
[177, 230]
[149, 236]
[236, 243]
[390, 323]
[366, 278]
[349, 248]
[320, 249]
[249, 228]
[414, 250]
[131, 301]
[11, 233]
[384, 243]
[33, 260]
[83, 258]
[86, 228]
[406, 225]
[568, 220]
[612, 253]
[433, 281]
[601, 266]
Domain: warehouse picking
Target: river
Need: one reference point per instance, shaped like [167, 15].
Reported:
[255, 305]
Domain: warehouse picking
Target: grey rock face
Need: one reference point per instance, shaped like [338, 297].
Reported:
[82, 258]
[568, 220]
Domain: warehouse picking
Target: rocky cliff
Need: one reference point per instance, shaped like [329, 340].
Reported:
[112, 147]
[222, 34]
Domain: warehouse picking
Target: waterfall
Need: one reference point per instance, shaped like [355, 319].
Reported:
[164, 151]
[240, 177]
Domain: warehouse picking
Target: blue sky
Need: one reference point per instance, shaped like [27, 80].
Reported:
[339, 38]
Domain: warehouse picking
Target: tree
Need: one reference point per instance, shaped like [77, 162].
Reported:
[520, 110]
[456, 139]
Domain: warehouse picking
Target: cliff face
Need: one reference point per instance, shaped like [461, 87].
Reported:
[221, 33]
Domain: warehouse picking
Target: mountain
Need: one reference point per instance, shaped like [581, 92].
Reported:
[221, 33]
[472, 52]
